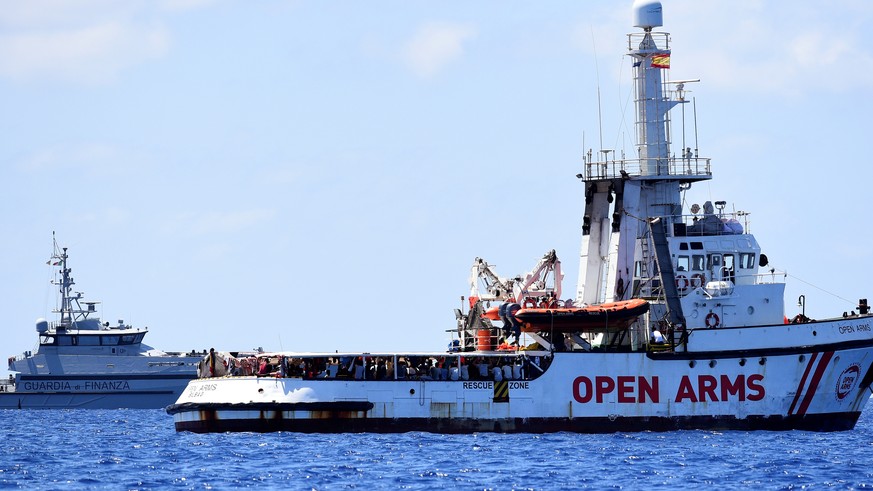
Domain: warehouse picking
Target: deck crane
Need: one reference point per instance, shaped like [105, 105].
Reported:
[540, 284]
[542, 281]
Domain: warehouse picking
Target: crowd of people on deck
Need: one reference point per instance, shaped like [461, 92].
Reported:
[388, 367]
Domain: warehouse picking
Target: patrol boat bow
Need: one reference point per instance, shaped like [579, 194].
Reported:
[713, 351]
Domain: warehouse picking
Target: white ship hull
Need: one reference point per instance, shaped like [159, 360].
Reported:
[98, 382]
[99, 392]
[823, 387]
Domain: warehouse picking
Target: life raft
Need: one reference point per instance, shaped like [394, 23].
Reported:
[605, 316]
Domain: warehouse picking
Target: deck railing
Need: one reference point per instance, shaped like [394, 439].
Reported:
[693, 168]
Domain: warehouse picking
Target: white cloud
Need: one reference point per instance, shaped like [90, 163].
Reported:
[61, 14]
[774, 50]
[89, 42]
[95, 54]
[751, 45]
[92, 158]
[434, 46]
[111, 216]
[216, 223]
[180, 5]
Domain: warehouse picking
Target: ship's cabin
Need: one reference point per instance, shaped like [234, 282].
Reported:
[699, 260]
[90, 338]
[717, 272]
[89, 331]
[709, 248]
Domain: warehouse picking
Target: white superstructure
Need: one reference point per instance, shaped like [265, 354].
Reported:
[83, 362]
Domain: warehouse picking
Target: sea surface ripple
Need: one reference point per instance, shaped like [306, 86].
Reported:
[139, 449]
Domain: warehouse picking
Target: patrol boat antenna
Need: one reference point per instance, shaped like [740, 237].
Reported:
[70, 310]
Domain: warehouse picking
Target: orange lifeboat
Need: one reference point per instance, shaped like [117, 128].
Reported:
[612, 315]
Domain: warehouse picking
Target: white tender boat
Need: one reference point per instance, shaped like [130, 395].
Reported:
[714, 350]
[82, 362]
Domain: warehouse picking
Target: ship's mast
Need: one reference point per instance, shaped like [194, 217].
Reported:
[622, 194]
[70, 310]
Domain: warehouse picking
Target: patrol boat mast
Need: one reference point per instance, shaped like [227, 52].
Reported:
[67, 313]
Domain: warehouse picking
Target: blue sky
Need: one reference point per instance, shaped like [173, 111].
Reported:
[315, 175]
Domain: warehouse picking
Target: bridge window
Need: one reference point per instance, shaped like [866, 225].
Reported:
[697, 262]
[68, 340]
[728, 269]
[89, 340]
[109, 340]
[713, 261]
[747, 260]
[683, 263]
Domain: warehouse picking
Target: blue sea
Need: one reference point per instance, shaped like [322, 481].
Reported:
[139, 449]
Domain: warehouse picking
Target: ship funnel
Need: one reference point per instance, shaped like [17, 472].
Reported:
[648, 14]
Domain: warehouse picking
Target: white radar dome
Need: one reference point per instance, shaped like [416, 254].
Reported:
[42, 326]
[648, 14]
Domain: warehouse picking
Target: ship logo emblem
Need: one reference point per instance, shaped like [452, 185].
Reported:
[847, 381]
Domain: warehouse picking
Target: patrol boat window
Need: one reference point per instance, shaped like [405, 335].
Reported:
[109, 340]
[68, 340]
[89, 340]
[127, 339]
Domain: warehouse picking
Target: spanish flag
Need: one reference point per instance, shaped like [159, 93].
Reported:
[661, 60]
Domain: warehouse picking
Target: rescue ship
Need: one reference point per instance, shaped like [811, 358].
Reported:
[712, 348]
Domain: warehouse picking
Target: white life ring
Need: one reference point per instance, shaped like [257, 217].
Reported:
[712, 320]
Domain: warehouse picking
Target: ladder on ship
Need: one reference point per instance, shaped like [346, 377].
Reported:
[658, 233]
[645, 286]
